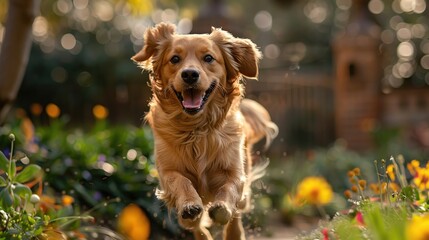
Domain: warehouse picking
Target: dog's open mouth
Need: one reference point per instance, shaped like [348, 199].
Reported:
[193, 99]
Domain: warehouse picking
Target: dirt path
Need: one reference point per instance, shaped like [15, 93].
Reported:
[277, 230]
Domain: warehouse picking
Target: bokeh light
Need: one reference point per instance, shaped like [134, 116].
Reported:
[40, 27]
[100, 112]
[63, 7]
[53, 110]
[376, 6]
[316, 11]
[80, 4]
[68, 41]
[272, 51]
[36, 109]
[263, 20]
[424, 62]
[132, 154]
[103, 10]
[344, 4]
[59, 74]
[405, 50]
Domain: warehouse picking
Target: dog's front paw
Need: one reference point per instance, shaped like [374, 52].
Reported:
[220, 213]
[191, 211]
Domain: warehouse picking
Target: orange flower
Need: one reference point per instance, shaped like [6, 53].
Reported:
[362, 184]
[348, 194]
[133, 223]
[413, 166]
[67, 200]
[421, 179]
[356, 171]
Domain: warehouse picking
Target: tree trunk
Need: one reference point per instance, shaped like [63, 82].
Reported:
[15, 50]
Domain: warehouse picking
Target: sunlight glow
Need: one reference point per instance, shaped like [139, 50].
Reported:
[68, 41]
[103, 11]
[272, 51]
[387, 36]
[63, 6]
[263, 20]
[425, 62]
[132, 154]
[184, 26]
[376, 6]
[344, 4]
[316, 11]
[405, 50]
[424, 46]
[40, 27]
[404, 34]
[418, 30]
[417, 6]
[80, 4]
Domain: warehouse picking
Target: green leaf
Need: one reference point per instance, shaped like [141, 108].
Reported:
[3, 182]
[410, 194]
[22, 191]
[28, 173]
[5, 198]
[4, 163]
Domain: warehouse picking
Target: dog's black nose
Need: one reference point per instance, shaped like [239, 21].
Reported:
[190, 76]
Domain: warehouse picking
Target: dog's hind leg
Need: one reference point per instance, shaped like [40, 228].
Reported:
[234, 229]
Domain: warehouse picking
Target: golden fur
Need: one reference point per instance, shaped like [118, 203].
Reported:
[204, 130]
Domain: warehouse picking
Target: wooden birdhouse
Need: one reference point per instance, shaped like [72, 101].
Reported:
[358, 73]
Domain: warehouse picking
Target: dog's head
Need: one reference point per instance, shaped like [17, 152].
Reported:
[196, 66]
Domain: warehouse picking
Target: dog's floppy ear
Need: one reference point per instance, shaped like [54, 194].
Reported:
[241, 55]
[155, 39]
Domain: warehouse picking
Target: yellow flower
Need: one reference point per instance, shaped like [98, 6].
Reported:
[133, 223]
[314, 190]
[391, 171]
[418, 228]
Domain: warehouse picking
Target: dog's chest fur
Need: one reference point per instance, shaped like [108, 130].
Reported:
[200, 151]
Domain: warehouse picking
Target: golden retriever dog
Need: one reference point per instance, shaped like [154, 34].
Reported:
[203, 128]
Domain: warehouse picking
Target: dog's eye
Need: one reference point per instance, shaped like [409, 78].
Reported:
[175, 59]
[208, 58]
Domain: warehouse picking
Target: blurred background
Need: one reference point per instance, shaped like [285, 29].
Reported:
[347, 81]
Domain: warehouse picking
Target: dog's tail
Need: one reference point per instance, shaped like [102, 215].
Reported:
[259, 126]
[259, 121]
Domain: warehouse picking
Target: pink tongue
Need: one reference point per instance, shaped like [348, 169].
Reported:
[192, 99]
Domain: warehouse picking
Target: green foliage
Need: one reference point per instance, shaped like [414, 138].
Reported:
[16, 221]
[284, 175]
[387, 214]
[103, 164]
